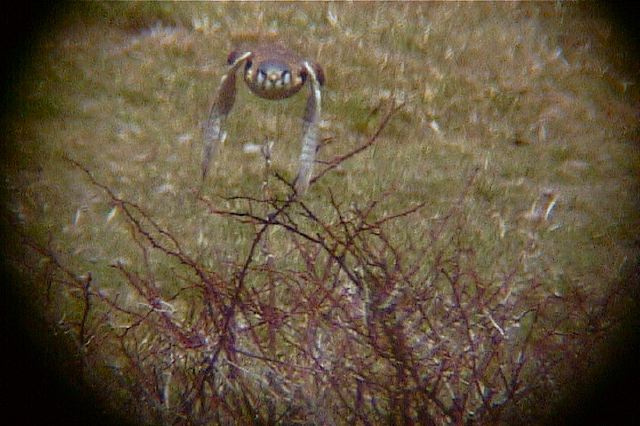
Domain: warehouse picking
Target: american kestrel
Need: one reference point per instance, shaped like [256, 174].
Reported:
[271, 71]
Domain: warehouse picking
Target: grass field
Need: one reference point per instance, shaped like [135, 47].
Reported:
[514, 147]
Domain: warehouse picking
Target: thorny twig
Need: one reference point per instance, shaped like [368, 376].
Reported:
[348, 324]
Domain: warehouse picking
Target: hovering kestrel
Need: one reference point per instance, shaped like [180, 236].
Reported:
[271, 71]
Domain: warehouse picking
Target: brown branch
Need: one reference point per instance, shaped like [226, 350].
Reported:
[85, 311]
[335, 162]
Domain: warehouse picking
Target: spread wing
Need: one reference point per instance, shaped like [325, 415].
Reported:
[213, 134]
[310, 131]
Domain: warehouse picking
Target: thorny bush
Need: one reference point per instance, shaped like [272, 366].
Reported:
[351, 326]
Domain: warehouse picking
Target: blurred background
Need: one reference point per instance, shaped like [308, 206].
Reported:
[521, 118]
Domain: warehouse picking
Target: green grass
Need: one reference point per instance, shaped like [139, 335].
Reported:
[530, 94]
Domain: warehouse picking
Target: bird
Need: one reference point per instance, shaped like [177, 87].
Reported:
[274, 72]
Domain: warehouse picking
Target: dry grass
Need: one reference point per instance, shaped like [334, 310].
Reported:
[529, 99]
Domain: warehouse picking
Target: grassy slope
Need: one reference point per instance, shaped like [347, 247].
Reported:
[126, 100]
[531, 94]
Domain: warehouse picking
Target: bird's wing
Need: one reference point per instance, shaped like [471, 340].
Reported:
[310, 132]
[213, 134]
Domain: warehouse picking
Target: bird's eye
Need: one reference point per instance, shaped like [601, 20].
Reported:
[249, 64]
[286, 78]
[262, 76]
